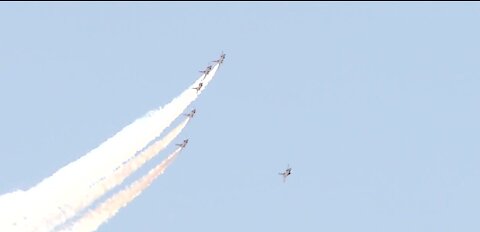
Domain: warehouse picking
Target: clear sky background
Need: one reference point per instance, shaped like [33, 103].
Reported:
[375, 106]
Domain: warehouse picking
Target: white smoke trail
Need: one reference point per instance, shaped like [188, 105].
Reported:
[49, 199]
[96, 217]
[127, 142]
[118, 176]
[11, 209]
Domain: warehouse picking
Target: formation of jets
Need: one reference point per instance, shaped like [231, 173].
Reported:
[286, 173]
[208, 69]
[190, 115]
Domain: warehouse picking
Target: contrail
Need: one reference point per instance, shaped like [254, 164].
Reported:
[127, 142]
[118, 176]
[96, 217]
[50, 198]
[108, 160]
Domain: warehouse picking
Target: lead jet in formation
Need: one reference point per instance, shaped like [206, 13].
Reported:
[190, 115]
[183, 144]
[222, 57]
[286, 173]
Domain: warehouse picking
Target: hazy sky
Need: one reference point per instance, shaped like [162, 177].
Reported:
[375, 106]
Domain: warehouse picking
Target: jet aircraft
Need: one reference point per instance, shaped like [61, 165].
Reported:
[286, 173]
[207, 70]
[191, 113]
[222, 57]
[199, 87]
[183, 144]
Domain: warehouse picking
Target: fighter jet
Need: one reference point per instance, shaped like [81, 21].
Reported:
[183, 144]
[287, 172]
[222, 57]
[207, 70]
[191, 113]
[199, 87]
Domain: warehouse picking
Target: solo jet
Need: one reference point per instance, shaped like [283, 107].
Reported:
[222, 57]
[191, 113]
[286, 173]
[183, 144]
[199, 87]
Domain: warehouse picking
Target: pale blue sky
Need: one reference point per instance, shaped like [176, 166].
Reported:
[374, 105]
